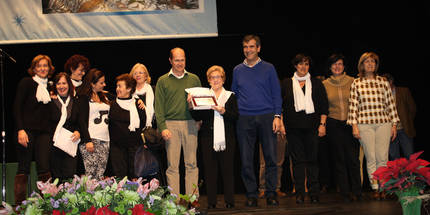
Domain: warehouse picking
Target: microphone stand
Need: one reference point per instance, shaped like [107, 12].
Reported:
[3, 132]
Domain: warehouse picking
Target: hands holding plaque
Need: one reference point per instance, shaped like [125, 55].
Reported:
[201, 98]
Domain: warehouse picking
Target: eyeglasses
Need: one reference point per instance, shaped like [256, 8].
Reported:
[215, 77]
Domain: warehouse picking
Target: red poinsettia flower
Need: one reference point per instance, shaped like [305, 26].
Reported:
[105, 211]
[90, 211]
[57, 212]
[403, 173]
[139, 209]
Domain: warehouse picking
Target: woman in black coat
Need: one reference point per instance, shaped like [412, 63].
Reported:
[218, 137]
[30, 111]
[63, 114]
[305, 109]
[126, 121]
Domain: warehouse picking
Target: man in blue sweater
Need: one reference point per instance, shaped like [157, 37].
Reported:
[257, 88]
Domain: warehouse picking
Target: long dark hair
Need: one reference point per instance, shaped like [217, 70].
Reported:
[92, 77]
[69, 82]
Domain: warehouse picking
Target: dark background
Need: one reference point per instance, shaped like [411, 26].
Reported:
[397, 32]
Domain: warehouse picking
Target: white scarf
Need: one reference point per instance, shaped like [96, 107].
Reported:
[303, 101]
[149, 102]
[129, 104]
[76, 83]
[63, 116]
[42, 94]
[219, 130]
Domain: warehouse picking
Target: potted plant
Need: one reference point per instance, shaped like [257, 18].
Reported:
[407, 178]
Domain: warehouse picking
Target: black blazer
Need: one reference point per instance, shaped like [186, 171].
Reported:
[230, 117]
[30, 114]
[293, 119]
[119, 120]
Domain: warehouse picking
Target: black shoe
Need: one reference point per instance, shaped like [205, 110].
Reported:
[211, 206]
[300, 199]
[228, 205]
[346, 198]
[272, 201]
[315, 199]
[251, 202]
[357, 198]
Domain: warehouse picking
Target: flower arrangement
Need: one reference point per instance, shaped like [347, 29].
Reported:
[403, 174]
[87, 196]
[407, 178]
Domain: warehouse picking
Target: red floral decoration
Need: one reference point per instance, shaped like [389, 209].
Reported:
[403, 173]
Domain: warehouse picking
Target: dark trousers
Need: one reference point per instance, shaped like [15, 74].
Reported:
[248, 129]
[63, 166]
[402, 141]
[122, 159]
[346, 150]
[39, 146]
[303, 146]
[214, 161]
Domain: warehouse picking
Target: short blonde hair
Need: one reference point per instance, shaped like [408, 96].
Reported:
[145, 70]
[213, 69]
[363, 58]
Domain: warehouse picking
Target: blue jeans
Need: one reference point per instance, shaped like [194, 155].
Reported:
[402, 141]
[248, 129]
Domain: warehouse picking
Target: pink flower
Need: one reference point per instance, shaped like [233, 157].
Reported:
[154, 184]
[48, 187]
[146, 189]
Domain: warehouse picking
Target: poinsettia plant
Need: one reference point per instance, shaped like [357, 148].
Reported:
[87, 196]
[403, 174]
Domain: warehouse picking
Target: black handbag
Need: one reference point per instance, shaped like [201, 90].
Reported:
[151, 137]
[145, 163]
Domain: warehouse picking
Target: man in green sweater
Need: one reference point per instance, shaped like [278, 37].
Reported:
[175, 122]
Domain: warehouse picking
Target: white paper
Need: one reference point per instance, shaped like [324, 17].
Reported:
[65, 143]
[199, 91]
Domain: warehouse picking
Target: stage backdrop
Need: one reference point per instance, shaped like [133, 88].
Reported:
[35, 21]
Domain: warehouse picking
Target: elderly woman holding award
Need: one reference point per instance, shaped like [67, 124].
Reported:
[217, 134]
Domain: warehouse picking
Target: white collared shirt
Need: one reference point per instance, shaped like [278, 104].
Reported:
[246, 62]
[178, 77]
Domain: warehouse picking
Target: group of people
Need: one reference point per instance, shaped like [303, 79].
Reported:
[258, 109]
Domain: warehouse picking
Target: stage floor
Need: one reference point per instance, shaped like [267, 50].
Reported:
[330, 203]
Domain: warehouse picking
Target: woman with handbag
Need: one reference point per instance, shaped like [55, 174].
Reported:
[126, 121]
[218, 137]
[144, 91]
[152, 137]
